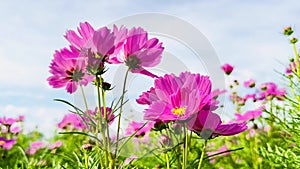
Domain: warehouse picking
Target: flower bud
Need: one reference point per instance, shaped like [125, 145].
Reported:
[87, 146]
[287, 31]
[293, 40]
[106, 86]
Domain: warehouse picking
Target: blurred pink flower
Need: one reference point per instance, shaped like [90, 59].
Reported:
[138, 51]
[248, 116]
[21, 118]
[7, 144]
[270, 91]
[72, 120]
[250, 96]
[177, 97]
[251, 133]
[55, 145]
[94, 113]
[86, 31]
[209, 125]
[15, 130]
[220, 150]
[218, 92]
[68, 70]
[136, 127]
[130, 159]
[227, 68]
[250, 83]
[35, 146]
[7, 121]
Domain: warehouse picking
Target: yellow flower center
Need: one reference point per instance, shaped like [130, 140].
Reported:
[179, 111]
[2, 143]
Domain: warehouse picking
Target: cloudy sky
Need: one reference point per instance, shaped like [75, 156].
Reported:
[245, 34]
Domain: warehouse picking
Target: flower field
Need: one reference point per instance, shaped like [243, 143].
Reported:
[182, 125]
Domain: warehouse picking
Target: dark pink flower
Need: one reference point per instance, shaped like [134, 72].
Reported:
[68, 70]
[35, 146]
[86, 31]
[72, 120]
[227, 68]
[138, 51]
[250, 83]
[248, 116]
[177, 97]
[138, 128]
[21, 118]
[7, 144]
[55, 145]
[209, 125]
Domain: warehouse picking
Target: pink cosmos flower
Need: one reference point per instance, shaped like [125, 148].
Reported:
[55, 145]
[68, 70]
[136, 127]
[7, 121]
[250, 83]
[227, 68]
[270, 91]
[102, 43]
[248, 116]
[177, 97]
[208, 125]
[7, 144]
[35, 146]
[138, 51]
[86, 31]
[72, 120]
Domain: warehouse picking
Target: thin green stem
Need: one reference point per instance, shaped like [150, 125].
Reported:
[121, 110]
[202, 155]
[84, 98]
[98, 79]
[167, 161]
[86, 160]
[296, 60]
[185, 150]
[106, 121]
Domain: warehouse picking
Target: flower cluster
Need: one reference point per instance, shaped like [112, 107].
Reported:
[90, 49]
[186, 98]
[9, 130]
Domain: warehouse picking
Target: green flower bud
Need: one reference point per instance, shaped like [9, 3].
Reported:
[287, 31]
[294, 40]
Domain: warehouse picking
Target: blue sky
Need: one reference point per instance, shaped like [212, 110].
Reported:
[245, 34]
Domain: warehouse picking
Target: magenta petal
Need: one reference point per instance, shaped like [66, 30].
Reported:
[144, 72]
[231, 129]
